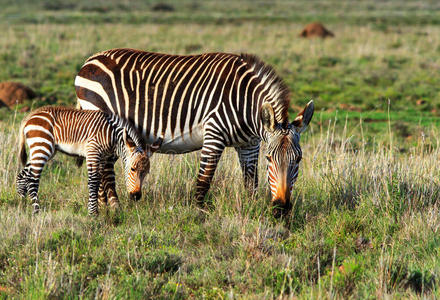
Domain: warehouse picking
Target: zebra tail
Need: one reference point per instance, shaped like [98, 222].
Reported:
[21, 143]
[79, 160]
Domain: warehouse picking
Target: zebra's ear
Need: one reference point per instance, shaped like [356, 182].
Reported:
[156, 145]
[302, 120]
[127, 139]
[268, 117]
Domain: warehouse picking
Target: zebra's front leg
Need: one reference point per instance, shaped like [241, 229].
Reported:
[210, 156]
[248, 158]
[94, 180]
[107, 190]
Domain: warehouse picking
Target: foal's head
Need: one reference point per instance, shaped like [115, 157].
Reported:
[137, 164]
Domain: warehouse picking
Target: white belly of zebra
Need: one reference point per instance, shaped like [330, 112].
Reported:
[181, 143]
[74, 149]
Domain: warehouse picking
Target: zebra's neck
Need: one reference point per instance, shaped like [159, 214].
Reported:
[263, 85]
[119, 126]
[280, 115]
[120, 144]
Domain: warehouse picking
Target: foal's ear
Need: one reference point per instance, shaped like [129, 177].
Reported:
[156, 145]
[268, 117]
[302, 120]
[127, 139]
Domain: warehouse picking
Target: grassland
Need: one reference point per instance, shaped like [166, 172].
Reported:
[361, 69]
[365, 222]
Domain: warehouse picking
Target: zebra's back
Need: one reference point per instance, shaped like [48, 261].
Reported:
[168, 96]
[66, 129]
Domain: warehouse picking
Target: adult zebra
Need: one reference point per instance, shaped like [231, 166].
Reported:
[208, 102]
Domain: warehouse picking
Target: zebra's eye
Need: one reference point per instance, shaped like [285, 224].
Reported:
[268, 158]
[133, 169]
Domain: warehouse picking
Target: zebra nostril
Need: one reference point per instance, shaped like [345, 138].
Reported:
[135, 196]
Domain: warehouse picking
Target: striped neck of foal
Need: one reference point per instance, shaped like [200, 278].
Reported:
[120, 125]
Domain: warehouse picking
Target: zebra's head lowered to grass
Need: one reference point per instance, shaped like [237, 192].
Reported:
[283, 153]
[136, 161]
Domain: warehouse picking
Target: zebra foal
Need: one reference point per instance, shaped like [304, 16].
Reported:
[91, 134]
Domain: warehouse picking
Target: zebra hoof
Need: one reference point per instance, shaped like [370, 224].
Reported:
[114, 205]
[102, 203]
[93, 213]
[36, 208]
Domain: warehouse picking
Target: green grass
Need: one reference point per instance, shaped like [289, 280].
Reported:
[366, 204]
[364, 223]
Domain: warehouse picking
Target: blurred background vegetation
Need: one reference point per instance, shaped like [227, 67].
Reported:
[383, 53]
[391, 12]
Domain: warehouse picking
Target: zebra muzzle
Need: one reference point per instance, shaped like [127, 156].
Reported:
[281, 208]
[135, 196]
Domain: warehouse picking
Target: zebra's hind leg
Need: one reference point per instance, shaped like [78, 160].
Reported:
[38, 159]
[102, 195]
[212, 150]
[35, 168]
[22, 182]
[248, 157]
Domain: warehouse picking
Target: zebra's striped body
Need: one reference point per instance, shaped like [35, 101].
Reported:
[98, 137]
[208, 102]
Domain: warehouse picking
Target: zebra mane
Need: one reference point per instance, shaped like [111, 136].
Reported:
[110, 52]
[53, 108]
[280, 99]
[49, 108]
[98, 54]
[132, 132]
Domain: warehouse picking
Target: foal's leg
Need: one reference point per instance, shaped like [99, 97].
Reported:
[94, 166]
[107, 189]
[248, 157]
[102, 195]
